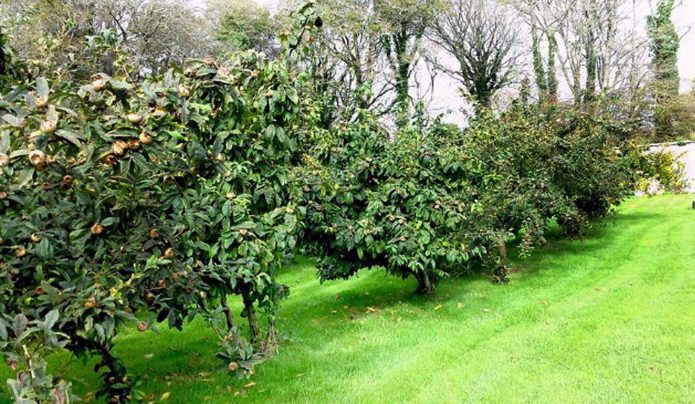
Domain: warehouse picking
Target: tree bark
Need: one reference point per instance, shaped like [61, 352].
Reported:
[250, 311]
[538, 68]
[425, 284]
[552, 70]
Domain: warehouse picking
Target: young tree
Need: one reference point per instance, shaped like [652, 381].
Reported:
[480, 35]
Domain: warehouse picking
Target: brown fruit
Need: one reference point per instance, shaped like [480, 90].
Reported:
[159, 112]
[119, 147]
[3, 195]
[109, 159]
[134, 118]
[49, 126]
[219, 157]
[254, 74]
[244, 232]
[46, 186]
[35, 238]
[37, 158]
[154, 233]
[230, 195]
[149, 297]
[41, 101]
[98, 84]
[169, 253]
[4, 160]
[39, 290]
[269, 93]
[202, 294]
[145, 138]
[168, 179]
[162, 283]
[133, 144]
[184, 92]
[233, 366]
[96, 229]
[90, 303]
[143, 326]
[20, 251]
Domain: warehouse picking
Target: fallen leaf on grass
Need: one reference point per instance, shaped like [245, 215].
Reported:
[371, 310]
[165, 396]
[438, 307]
[249, 385]
[487, 310]
[149, 356]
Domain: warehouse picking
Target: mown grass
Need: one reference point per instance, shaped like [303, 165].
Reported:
[610, 318]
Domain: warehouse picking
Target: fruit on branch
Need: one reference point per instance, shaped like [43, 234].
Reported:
[41, 101]
[20, 251]
[90, 303]
[169, 253]
[96, 229]
[119, 148]
[98, 83]
[134, 118]
[145, 138]
[37, 158]
[49, 126]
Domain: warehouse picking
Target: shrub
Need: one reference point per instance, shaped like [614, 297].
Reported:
[437, 202]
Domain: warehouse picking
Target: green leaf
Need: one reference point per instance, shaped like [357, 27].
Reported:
[42, 87]
[51, 319]
[70, 136]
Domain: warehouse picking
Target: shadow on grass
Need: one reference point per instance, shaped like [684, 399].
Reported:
[329, 309]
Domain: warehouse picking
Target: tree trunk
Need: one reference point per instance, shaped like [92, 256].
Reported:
[425, 286]
[227, 312]
[250, 311]
[538, 67]
[271, 341]
[402, 78]
[499, 274]
[552, 70]
[116, 387]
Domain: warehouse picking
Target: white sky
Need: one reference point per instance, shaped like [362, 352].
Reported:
[446, 99]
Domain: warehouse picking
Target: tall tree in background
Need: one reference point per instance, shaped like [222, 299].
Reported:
[405, 23]
[245, 25]
[480, 35]
[55, 37]
[664, 46]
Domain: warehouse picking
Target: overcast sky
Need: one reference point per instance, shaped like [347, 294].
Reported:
[446, 100]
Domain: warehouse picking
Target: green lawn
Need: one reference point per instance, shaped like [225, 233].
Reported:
[610, 319]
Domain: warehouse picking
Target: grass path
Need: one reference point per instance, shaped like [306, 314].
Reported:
[609, 319]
